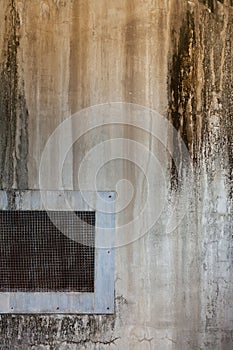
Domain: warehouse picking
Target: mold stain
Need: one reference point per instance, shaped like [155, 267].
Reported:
[24, 331]
[13, 111]
[182, 94]
[216, 97]
[227, 102]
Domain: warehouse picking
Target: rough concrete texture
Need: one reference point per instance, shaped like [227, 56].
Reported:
[173, 291]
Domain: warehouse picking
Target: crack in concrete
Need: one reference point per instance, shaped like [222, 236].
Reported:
[112, 341]
[171, 340]
[144, 339]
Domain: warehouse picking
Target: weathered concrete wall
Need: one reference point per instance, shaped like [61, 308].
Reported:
[173, 291]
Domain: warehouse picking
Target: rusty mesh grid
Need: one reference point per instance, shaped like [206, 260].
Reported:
[36, 256]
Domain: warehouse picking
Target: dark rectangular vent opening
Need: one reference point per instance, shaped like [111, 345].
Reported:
[37, 255]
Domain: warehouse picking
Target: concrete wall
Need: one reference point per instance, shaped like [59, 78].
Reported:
[173, 290]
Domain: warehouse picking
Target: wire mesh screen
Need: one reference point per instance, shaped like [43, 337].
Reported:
[36, 256]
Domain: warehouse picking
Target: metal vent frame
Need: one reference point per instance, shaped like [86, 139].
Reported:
[99, 302]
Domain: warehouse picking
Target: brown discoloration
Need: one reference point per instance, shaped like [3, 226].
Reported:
[131, 54]
[200, 85]
[212, 4]
[79, 80]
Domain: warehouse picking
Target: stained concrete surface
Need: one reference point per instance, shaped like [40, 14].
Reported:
[173, 291]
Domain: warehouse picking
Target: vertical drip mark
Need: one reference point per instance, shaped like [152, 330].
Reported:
[13, 111]
[182, 96]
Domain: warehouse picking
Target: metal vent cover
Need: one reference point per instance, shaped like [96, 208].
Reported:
[55, 260]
